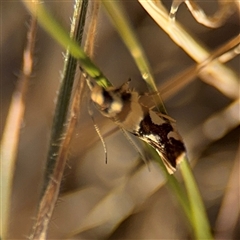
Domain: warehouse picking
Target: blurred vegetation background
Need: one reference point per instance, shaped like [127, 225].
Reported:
[122, 200]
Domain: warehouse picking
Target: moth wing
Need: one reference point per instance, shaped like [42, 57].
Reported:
[157, 130]
[170, 164]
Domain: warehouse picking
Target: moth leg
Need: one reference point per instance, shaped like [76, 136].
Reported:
[98, 132]
[146, 160]
[86, 76]
[146, 99]
[161, 115]
[150, 93]
[125, 86]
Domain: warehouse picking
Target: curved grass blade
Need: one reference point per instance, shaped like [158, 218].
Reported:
[201, 228]
[225, 80]
[62, 129]
[121, 23]
[46, 20]
[199, 219]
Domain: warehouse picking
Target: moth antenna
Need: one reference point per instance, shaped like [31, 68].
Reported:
[146, 161]
[98, 132]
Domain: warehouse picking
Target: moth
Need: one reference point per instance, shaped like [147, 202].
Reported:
[124, 107]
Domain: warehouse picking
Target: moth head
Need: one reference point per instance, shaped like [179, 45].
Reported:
[108, 101]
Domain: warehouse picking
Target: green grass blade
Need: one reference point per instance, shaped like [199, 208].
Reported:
[120, 21]
[191, 204]
[174, 185]
[199, 218]
[65, 91]
[118, 17]
[46, 20]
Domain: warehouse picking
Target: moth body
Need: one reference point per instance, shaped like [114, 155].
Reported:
[123, 106]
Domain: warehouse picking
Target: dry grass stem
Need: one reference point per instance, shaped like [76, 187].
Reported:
[10, 139]
[194, 49]
[50, 197]
[228, 215]
[223, 54]
[218, 19]
[213, 128]
[123, 197]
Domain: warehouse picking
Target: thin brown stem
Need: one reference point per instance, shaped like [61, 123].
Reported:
[10, 139]
[172, 86]
[51, 193]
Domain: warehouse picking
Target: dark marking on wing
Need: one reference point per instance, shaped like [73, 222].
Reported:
[169, 147]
